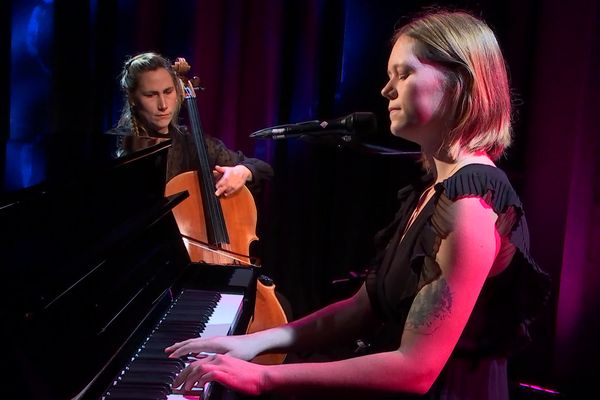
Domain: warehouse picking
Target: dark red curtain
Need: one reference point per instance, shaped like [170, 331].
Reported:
[561, 174]
[268, 62]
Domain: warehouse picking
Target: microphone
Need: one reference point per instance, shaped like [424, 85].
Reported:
[358, 122]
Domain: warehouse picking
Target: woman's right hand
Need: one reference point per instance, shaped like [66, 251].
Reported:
[240, 346]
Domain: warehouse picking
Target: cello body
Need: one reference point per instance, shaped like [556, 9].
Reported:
[239, 212]
[219, 230]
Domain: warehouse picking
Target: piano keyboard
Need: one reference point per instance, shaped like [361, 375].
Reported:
[195, 313]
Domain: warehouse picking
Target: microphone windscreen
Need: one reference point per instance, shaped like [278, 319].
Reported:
[364, 123]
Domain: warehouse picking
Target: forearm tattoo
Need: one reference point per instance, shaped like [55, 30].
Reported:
[432, 305]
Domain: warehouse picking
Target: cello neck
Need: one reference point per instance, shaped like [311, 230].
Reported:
[216, 230]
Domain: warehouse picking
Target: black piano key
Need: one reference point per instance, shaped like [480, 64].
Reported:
[174, 324]
[141, 362]
[157, 346]
[147, 377]
[138, 391]
[153, 353]
[142, 384]
[160, 344]
[155, 370]
[167, 363]
[170, 335]
[184, 316]
[136, 396]
[197, 301]
[179, 328]
[152, 368]
[158, 387]
[182, 323]
[152, 356]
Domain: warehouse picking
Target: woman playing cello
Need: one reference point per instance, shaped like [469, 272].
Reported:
[152, 102]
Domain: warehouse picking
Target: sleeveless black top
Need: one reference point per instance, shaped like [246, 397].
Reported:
[508, 302]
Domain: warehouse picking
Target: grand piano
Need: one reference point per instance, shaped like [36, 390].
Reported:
[98, 282]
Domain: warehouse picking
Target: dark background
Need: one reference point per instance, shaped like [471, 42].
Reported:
[269, 62]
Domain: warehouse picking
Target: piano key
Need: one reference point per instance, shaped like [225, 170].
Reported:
[194, 313]
[226, 311]
[146, 377]
[142, 390]
[156, 366]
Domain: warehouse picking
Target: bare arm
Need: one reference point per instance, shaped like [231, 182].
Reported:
[435, 322]
[342, 320]
[346, 319]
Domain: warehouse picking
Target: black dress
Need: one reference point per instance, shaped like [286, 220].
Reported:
[507, 304]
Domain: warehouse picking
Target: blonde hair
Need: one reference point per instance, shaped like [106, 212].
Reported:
[129, 81]
[477, 76]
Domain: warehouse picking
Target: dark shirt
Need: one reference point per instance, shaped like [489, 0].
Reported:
[513, 297]
[183, 156]
[507, 304]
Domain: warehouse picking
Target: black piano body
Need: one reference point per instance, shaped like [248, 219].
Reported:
[91, 266]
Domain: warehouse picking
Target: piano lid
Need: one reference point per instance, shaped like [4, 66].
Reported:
[47, 227]
[74, 251]
[119, 144]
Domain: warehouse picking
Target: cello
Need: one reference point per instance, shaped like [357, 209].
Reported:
[219, 230]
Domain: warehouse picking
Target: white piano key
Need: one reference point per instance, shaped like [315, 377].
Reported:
[226, 312]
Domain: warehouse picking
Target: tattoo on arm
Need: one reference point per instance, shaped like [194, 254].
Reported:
[430, 306]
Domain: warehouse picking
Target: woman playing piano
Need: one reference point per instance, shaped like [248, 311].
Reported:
[453, 289]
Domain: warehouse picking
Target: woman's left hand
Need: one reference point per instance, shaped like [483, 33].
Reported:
[230, 179]
[238, 375]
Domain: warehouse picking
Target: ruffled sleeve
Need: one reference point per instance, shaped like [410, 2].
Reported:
[517, 295]
[514, 297]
